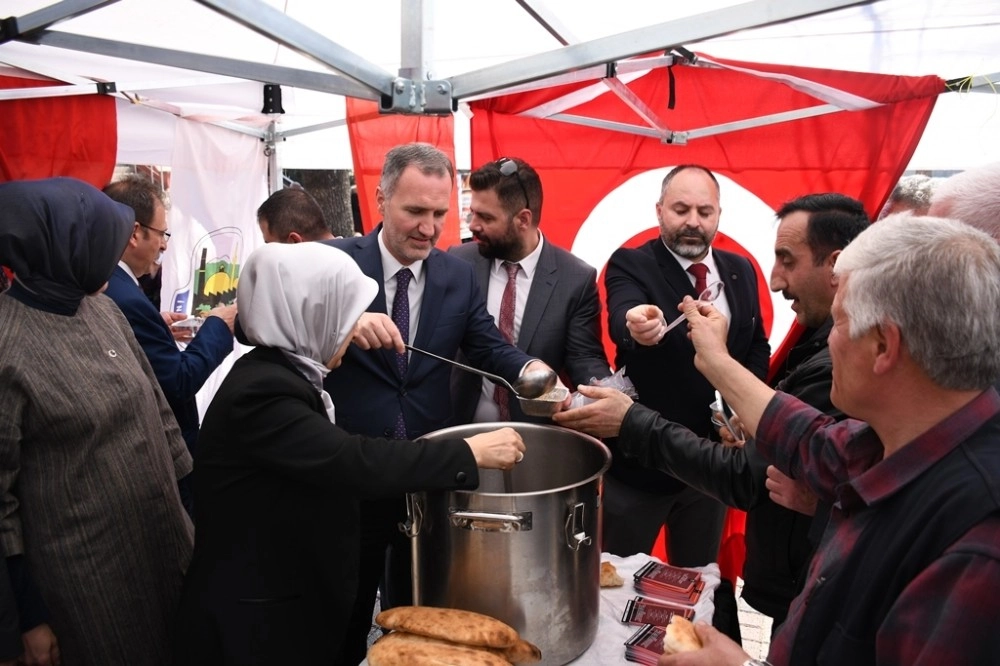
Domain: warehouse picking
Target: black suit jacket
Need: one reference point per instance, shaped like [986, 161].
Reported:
[561, 324]
[368, 388]
[276, 551]
[664, 375]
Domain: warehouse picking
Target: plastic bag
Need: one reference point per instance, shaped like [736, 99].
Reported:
[616, 381]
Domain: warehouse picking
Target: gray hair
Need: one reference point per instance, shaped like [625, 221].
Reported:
[912, 192]
[972, 196]
[939, 281]
[430, 161]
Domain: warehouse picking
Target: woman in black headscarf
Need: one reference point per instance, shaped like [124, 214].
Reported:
[89, 450]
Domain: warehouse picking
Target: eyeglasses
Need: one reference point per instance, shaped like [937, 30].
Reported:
[508, 167]
[165, 235]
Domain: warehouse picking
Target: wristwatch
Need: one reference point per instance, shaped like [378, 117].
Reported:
[756, 662]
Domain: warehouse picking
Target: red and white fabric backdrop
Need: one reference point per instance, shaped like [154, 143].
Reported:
[600, 186]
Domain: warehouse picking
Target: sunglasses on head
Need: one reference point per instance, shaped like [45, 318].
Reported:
[508, 167]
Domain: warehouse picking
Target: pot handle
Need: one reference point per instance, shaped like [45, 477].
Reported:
[575, 534]
[414, 516]
[481, 521]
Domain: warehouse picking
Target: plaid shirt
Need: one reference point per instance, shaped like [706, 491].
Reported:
[942, 615]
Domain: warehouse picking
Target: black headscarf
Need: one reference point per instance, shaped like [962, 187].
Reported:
[62, 238]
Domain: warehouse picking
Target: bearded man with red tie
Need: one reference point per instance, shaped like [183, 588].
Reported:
[649, 281]
[543, 298]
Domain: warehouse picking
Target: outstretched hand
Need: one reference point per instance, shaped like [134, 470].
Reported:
[707, 329]
[646, 325]
[717, 650]
[602, 418]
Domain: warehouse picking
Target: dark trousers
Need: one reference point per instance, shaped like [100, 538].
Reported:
[380, 536]
[633, 518]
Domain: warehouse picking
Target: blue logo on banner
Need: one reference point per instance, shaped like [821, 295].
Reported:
[181, 301]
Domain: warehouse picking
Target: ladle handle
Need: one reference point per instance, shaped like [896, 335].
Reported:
[496, 379]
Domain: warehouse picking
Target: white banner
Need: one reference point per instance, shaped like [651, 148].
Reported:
[218, 180]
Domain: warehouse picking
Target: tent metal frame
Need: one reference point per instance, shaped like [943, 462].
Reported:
[411, 91]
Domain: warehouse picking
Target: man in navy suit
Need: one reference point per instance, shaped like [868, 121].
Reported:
[382, 391]
[644, 285]
[556, 312]
[180, 373]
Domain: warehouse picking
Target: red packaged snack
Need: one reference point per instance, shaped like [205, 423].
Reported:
[675, 579]
[647, 611]
[646, 645]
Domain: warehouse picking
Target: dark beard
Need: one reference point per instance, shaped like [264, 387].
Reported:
[505, 249]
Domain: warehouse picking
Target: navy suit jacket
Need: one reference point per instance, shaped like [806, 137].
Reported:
[180, 373]
[367, 389]
[561, 324]
[664, 375]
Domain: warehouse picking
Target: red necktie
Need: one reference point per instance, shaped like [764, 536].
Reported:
[502, 395]
[699, 271]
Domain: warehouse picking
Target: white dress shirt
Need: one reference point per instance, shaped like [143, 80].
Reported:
[487, 409]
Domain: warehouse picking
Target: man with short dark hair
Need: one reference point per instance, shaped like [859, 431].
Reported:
[812, 231]
[554, 311]
[292, 215]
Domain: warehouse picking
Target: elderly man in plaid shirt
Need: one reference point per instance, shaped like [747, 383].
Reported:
[909, 566]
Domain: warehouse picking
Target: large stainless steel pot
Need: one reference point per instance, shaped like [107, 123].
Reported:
[530, 557]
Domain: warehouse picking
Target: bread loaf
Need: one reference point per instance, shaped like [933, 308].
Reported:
[609, 576]
[521, 652]
[449, 624]
[680, 636]
[402, 649]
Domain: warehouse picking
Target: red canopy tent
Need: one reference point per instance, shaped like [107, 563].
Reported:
[777, 130]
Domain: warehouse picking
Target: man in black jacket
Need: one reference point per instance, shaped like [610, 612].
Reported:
[813, 230]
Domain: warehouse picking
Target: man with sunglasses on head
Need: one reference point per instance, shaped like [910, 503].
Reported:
[554, 310]
[181, 374]
[644, 285]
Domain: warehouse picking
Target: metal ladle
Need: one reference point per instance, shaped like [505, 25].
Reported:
[530, 385]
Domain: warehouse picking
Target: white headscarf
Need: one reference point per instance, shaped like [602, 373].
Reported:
[304, 299]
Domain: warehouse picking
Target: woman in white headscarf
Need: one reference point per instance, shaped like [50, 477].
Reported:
[276, 544]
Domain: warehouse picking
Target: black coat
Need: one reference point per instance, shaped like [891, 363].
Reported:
[664, 375]
[276, 545]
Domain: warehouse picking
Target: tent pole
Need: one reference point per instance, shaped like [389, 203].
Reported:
[273, 168]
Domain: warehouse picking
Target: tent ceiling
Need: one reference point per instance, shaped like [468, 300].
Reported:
[207, 59]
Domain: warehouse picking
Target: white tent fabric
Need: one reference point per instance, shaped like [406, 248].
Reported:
[950, 38]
